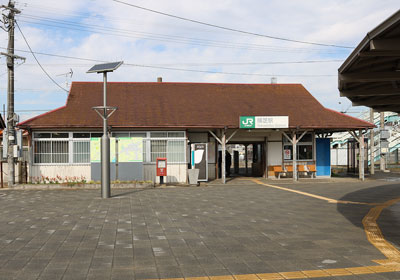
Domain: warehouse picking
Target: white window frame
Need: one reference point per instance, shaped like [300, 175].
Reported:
[70, 140]
[299, 144]
[146, 145]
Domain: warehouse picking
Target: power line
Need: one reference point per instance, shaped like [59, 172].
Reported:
[161, 37]
[227, 73]
[209, 63]
[186, 70]
[232, 29]
[33, 54]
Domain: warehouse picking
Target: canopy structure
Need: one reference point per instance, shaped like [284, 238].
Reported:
[370, 76]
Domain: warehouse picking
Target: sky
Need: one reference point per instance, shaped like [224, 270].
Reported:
[73, 35]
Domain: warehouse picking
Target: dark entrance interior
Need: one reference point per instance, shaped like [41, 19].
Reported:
[235, 160]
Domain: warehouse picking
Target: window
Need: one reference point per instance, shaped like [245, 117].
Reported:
[138, 134]
[81, 151]
[81, 135]
[304, 148]
[158, 148]
[178, 134]
[51, 151]
[120, 134]
[158, 134]
[171, 145]
[59, 148]
[176, 150]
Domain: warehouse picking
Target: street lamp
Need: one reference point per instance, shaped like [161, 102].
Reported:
[105, 112]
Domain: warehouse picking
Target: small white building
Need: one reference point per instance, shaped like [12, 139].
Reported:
[163, 119]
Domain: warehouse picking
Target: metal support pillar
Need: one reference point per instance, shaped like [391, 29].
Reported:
[372, 144]
[105, 112]
[105, 148]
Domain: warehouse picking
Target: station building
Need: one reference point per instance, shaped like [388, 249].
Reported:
[174, 120]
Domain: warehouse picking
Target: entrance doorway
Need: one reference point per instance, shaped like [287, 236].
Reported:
[236, 163]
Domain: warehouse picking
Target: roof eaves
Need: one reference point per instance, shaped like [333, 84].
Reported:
[367, 124]
[24, 123]
[395, 18]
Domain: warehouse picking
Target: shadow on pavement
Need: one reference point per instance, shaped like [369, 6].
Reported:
[128, 192]
[389, 219]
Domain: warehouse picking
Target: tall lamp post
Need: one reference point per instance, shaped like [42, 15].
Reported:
[105, 112]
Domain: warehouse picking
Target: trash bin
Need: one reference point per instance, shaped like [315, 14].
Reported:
[193, 176]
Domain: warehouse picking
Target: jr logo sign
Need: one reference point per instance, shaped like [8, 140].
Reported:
[247, 122]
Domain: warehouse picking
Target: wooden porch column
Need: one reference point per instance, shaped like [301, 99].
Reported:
[361, 166]
[372, 143]
[294, 140]
[223, 141]
[360, 139]
[223, 167]
[294, 143]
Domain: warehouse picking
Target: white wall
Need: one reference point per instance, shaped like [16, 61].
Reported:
[274, 153]
[176, 173]
[338, 156]
[61, 170]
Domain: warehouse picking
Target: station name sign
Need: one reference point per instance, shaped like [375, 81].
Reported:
[249, 122]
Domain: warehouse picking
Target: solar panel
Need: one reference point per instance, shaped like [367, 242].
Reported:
[105, 67]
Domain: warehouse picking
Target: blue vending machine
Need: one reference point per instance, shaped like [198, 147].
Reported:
[323, 151]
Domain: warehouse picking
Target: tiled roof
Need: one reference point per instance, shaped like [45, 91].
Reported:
[191, 105]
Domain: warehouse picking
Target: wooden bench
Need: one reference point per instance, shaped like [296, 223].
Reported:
[278, 170]
[312, 170]
[307, 169]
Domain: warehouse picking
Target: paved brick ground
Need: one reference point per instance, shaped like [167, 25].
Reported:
[240, 228]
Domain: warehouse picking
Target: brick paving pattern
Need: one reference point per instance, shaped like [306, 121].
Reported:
[240, 228]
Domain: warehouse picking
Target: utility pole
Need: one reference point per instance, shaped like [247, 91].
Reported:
[9, 22]
[381, 128]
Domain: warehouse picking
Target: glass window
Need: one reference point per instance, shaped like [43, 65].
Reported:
[48, 151]
[178, 134]
[60, 135]
[304, 152]
[42, 135]
[158, 134]
[60, 151]
[96, 134]
[176, 151]
[120, 134]
[158, 148]
[81, 152]
[138, 134]
[81, 135]
[42, 151]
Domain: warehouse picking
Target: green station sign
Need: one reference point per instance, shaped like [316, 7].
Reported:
[248, 122]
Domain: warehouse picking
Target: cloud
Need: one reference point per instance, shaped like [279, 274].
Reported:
[142, 38]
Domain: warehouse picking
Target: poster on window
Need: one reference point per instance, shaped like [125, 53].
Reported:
[287, 154]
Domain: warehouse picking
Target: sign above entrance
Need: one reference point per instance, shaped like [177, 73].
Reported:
[249, 122]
